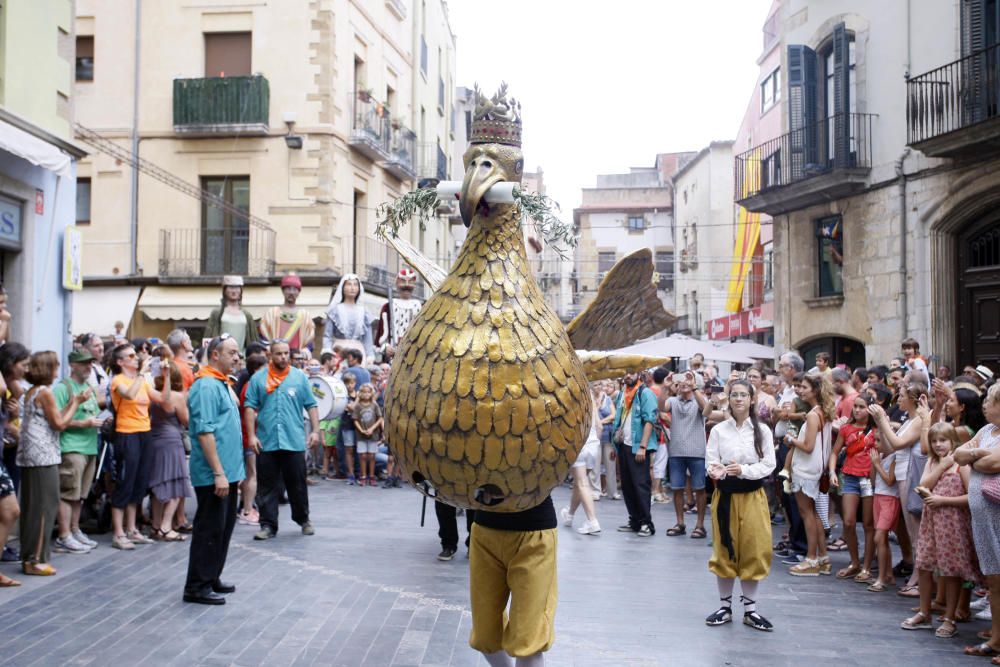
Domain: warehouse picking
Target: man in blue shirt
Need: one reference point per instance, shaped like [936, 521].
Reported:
[635, 416]
[216, 470]
[276, 397]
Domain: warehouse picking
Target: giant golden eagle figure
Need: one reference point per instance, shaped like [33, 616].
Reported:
[488, 403]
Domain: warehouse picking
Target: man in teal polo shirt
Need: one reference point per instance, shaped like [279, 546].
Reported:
[78, 444]
[636, 415]
[216, 470]
[276, 397]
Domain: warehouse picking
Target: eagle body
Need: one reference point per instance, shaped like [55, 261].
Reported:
[488, 404]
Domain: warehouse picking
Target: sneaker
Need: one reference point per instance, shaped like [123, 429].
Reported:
[807, 568]
[793, 559]
[387, 484]
[589, 528]
[567, 518]
[397, 483]
[138, 538]
[307, 529]
[980, 604]
[596, 496]
[264, 534]
[903, 569]
[984, 615]
[627, 528]
[617, 496]
[69, 545]
[246, 519]
[84, 539]
[10, 554]
[644, 531]
[777, 520]
[122, 542]
[351, 481]
[447, 553]
[783, 552]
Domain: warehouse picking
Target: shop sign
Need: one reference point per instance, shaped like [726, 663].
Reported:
[743, 323]
[10, 223]
[73, 259]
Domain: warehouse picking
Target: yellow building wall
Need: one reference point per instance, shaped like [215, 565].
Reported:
[39, 32]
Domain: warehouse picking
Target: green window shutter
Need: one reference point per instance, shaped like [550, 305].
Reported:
[802, 103]
[841, 96]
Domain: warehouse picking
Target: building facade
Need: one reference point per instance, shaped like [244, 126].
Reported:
[884, 188]
[37, 171]
[704, 233]
[623, 213]
[269, 135]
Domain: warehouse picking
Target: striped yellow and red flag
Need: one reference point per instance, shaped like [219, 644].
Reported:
[747, 238]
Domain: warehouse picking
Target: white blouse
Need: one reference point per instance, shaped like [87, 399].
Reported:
[728, 443]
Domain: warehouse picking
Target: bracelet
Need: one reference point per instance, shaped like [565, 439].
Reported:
[219, 474]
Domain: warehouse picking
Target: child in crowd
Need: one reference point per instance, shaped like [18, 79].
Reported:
[798, 407]
[348, 435]
[855, 484]
[330, 430]
[945, 545]
[887, 509]
[368, 424]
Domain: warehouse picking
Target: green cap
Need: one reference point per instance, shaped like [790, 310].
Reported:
[80, 357]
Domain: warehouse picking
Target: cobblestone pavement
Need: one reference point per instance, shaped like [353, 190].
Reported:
[367, 590]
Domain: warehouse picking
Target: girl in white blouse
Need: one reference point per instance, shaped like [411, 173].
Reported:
[739, 457]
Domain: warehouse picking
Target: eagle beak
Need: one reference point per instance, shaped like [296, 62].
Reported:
[481, 175]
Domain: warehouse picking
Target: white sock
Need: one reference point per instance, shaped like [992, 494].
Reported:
[499, 659]
[749, 595]
[536, 660]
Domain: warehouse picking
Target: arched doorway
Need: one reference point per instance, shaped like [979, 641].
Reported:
[842, 350]
[978, 262]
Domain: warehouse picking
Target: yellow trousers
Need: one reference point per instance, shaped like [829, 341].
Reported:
[519, 567]
[750, 526]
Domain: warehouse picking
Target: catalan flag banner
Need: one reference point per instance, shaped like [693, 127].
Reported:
[747, 238]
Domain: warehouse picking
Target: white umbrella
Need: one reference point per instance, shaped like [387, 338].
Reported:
[750, 349]
[679, 346]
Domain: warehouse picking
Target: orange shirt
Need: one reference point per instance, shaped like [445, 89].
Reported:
[131, 416]
[187, 375]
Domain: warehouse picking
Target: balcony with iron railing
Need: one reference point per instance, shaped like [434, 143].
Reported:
[221, 106]
[371, 129]
[202, 253]
[433, 164]
[825, 160]
[954, 110]
[402, 153]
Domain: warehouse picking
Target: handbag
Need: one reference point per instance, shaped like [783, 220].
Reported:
[824, 479]
[991, 489]
[914, 503]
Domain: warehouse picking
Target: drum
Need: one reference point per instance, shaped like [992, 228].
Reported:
[331, 396]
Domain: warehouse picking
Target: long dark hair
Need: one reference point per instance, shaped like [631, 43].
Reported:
[758, 443]
[973, 416]
[10, 354]
[116, 367]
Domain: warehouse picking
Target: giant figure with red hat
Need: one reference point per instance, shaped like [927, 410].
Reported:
[394, 320]
[289, 322]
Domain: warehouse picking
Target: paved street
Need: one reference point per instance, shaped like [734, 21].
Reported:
[367, 590]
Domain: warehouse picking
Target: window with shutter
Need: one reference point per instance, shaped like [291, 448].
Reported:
[843, 78]
[802, 104]
[980, 30]
[228, 54]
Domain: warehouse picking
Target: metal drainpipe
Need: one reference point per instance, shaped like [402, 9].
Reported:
[134, 189]
[903, 264]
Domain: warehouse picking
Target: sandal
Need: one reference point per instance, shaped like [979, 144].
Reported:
[837, 545]
[878, 587]
[37, 569]
[756, 621]
[919, 621]
[946, 630]
[908, 592]
[172, 536]
[983, 650]
[7, 582]
[723, 614]
[698, 533]
[186, 528]
[864, 577]
[849, 572]
[984, 634]
[679, 529]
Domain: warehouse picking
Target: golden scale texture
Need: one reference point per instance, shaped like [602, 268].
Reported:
[487, 388]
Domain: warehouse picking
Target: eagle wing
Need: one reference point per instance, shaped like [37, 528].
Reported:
[625, 310]
[607, 365]
[428, 269]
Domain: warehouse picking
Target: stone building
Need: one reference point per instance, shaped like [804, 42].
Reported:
[623, 213]
[288, 122]
[884, 188]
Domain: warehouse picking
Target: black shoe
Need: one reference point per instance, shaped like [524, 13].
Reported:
[10, 555]
[307, 529]
[784, 552]
[204, 598]
[447, 553]
[222, 587]
[903, 569]
[626, 528]
[283, 500]
[757, 622]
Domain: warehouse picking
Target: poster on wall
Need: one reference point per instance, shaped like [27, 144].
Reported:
[73, 259]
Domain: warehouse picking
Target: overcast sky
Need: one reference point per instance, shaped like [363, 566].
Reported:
[605, 86]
